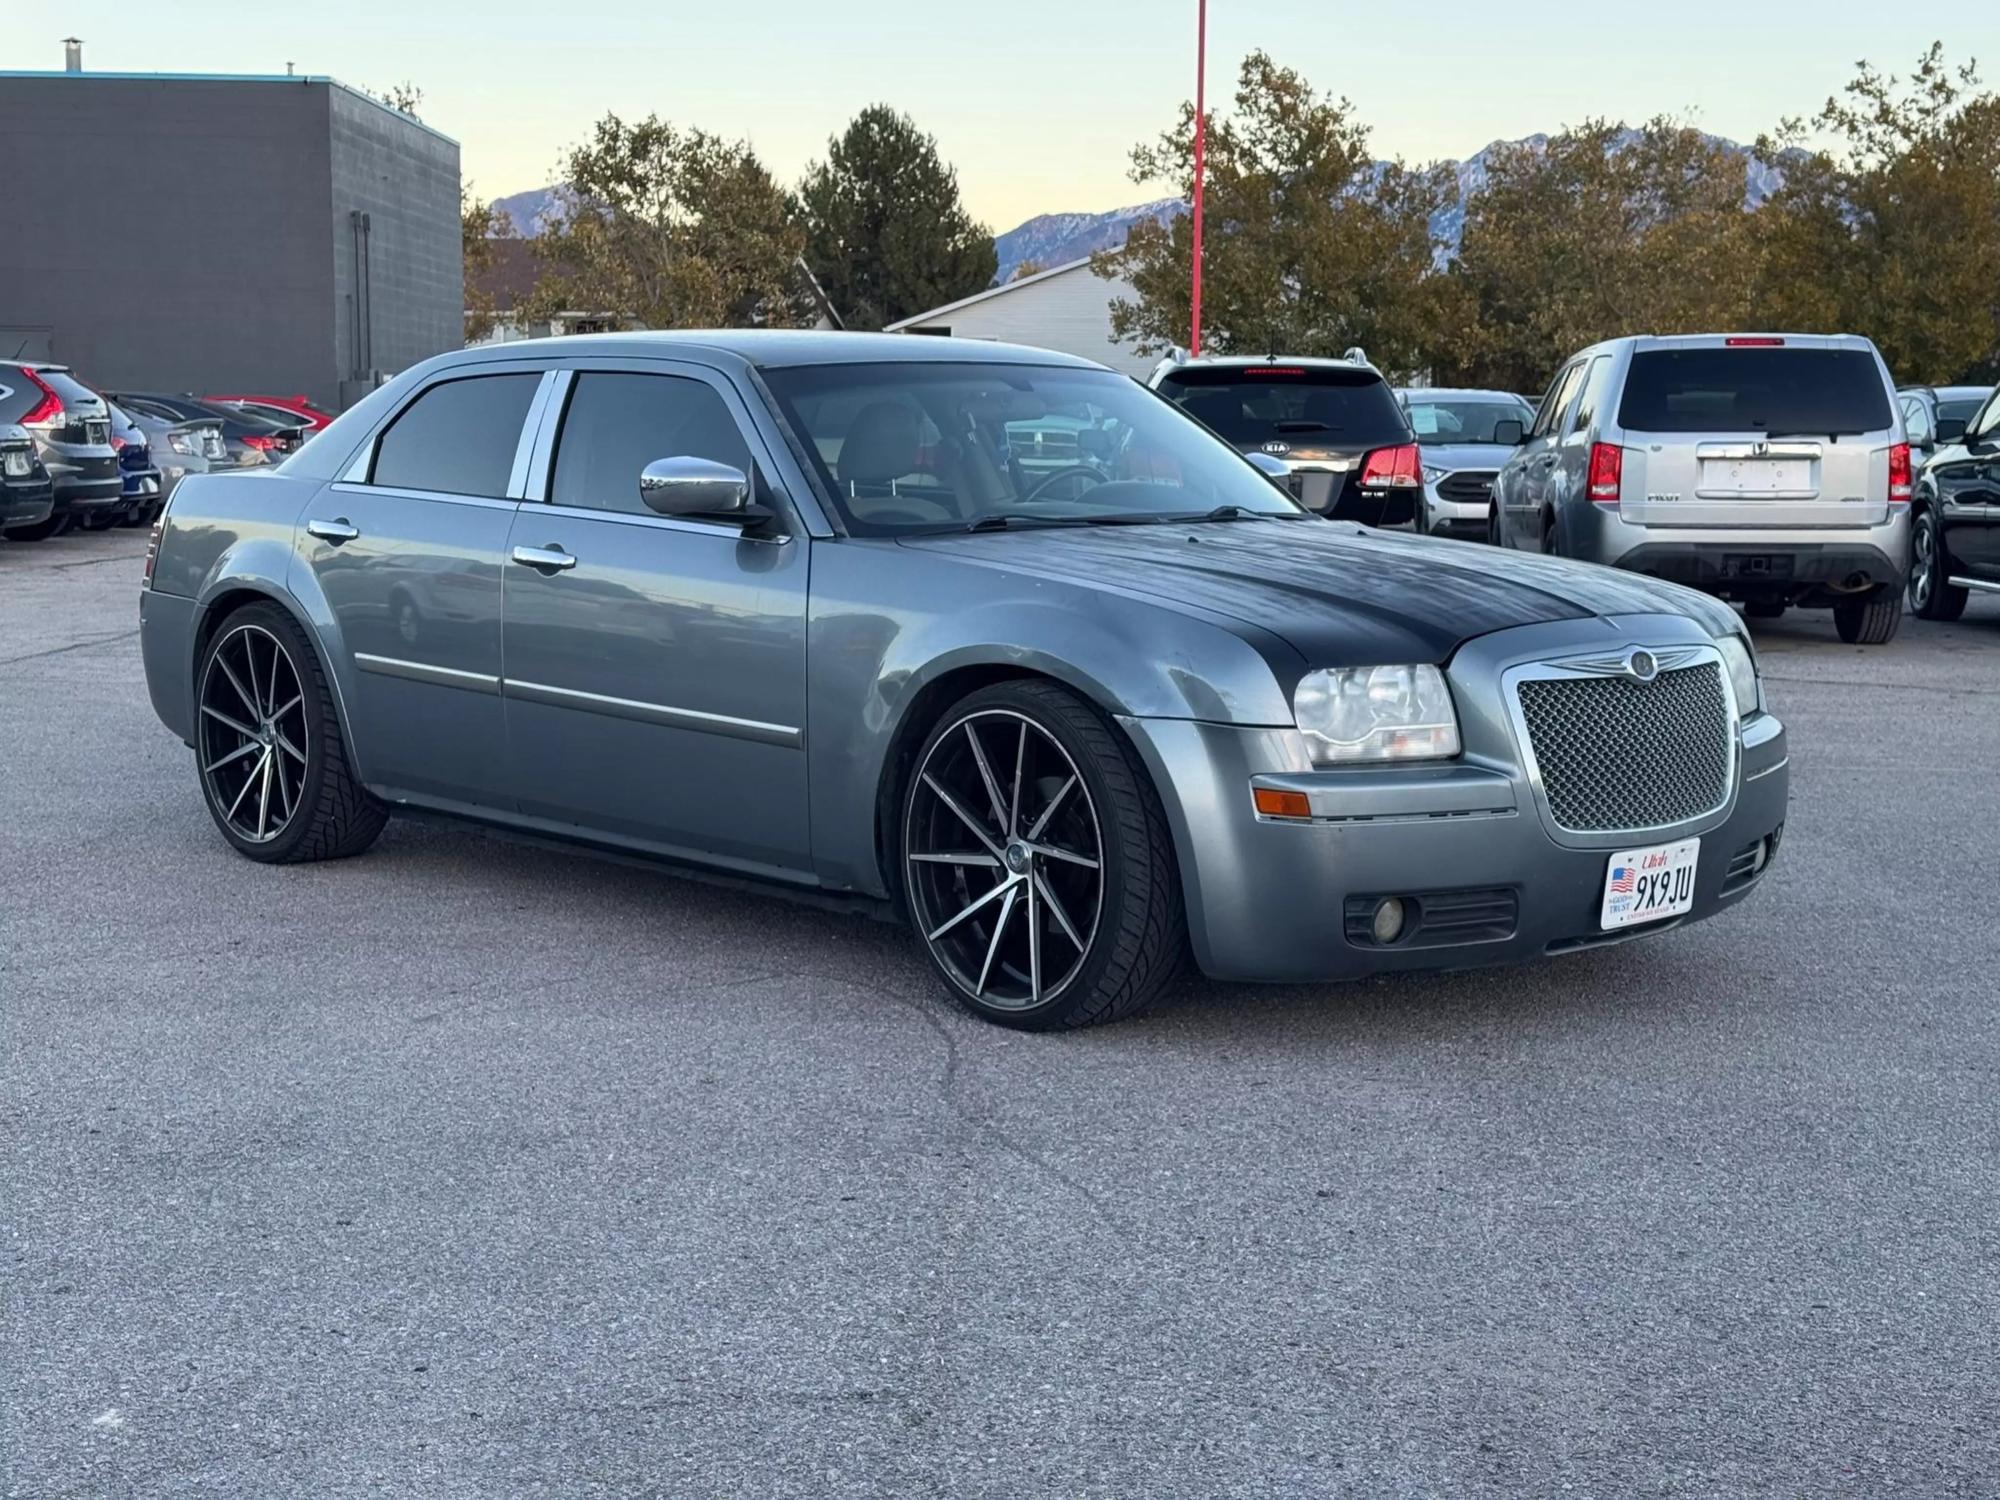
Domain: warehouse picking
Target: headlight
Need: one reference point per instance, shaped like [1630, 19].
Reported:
[1432, 474]
[1375, 713]
[1742, 668]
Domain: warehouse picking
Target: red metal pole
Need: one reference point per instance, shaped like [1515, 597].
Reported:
[1200, 142]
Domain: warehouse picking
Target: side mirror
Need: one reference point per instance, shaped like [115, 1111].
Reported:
[1509, 431]
[1949, 430]
[1274, 469]
[685, 486]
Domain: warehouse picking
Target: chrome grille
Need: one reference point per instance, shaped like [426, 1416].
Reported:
[1615, 753]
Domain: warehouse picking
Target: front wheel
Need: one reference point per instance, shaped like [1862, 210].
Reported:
[1872, 619]
[1932, 595]
[274, 768]
[1036, 862]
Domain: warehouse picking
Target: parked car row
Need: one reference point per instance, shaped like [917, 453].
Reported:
[1772, 470]
[77, 456]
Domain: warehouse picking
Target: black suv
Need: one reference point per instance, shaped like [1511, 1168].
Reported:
[71, 427]
[1955, 525]
[1334, 424]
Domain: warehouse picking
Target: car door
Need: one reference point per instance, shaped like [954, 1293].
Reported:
[656, 665]
[1575, 423]
[407, 549]
[1537, 460]
[1967, 477]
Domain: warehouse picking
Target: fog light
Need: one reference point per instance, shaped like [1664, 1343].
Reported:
[1388, 920]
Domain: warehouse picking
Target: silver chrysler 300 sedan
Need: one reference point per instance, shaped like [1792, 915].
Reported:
[792, 606]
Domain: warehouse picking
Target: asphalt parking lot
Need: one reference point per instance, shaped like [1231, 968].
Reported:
[469, 1168]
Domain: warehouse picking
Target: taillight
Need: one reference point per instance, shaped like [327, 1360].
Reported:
[152, 549]
[45, 410]
[1393, 468]
[1607, 470]
[260, 442]
[1761, 341]
[1900, 478]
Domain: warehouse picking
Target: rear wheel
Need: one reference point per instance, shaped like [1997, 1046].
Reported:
[41, 531]
[1870, 620]
[1037, 864]
[1932, 595]
[274, 769]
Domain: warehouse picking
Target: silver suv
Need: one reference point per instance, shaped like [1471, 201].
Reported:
[1772, 469]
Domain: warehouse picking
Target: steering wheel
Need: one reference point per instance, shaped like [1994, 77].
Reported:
[1071, 471]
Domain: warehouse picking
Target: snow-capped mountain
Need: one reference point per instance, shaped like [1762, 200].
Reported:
[1053, 239]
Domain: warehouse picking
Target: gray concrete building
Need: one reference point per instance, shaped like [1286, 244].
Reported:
[274, 235]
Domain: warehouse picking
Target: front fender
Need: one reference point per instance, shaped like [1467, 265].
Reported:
[885, 658]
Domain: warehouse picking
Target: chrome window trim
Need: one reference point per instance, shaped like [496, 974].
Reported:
[785, 735]
[417, 671]
[658, 523]
[1672, 656]
[488, 502]
[548, 416]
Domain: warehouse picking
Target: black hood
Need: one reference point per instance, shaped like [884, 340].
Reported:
[1339, 594]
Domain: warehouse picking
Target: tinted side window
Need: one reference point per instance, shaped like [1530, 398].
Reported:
[617, 424]
[1556, 400]
[13, 398]
[458, 438]
[1593, 394]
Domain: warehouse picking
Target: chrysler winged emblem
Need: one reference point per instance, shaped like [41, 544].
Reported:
[1642, 666]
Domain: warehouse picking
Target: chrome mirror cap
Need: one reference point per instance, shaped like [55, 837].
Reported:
[683, 486]
[1273, 469]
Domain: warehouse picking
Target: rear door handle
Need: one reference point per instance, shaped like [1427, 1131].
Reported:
[335, 531]
[551, 557]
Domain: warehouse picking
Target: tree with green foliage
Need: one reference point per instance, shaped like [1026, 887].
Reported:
[1597, 231]
[662, 227]
[1311, 247]
[886, 234]
[478, 224]
[1896, 234]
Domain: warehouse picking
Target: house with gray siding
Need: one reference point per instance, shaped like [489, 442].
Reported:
[1066, 308]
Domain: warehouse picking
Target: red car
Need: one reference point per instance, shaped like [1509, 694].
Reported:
[291, 410]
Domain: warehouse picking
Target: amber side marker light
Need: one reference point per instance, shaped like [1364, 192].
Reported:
[1273, 803]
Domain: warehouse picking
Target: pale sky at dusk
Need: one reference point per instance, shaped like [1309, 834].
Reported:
[1036, 102]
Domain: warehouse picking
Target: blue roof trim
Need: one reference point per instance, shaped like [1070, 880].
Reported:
[302, 78]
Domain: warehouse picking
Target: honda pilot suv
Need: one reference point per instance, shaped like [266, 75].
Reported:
[1770, 469]
[1334, 424]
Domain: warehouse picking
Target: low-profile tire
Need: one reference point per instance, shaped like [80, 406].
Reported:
[1872, 619]
[41, 531]
[273, 767]
[1932, 594]
[1036, 863]
[1764, 609]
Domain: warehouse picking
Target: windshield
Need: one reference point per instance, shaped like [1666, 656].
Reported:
[1440, 421]
[1785, 392]
[1301, 404]
[913, 448]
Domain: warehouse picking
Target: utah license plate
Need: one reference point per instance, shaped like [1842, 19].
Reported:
[1649, 885]
[17, 465]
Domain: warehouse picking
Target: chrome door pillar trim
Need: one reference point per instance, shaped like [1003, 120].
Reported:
[655, 713]
[417, 671]
[531, 430]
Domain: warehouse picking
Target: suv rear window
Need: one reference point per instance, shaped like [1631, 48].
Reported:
[1262, 403]
[1784, 392]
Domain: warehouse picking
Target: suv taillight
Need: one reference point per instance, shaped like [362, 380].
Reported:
[1900, 479]
[45, 410]
[1607, 470]
[260, 441]
[1396, 468]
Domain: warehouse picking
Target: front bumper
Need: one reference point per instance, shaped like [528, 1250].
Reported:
[1275, 899]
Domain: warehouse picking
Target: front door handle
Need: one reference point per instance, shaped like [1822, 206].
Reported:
[551, 558]
[335, 531]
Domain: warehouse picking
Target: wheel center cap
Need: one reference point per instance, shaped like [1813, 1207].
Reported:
[1019, 857]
